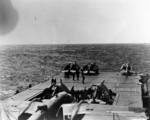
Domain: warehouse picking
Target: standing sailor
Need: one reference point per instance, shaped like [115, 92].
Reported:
[77, 68]
[77, 72]
[73, 75]
[83, 78]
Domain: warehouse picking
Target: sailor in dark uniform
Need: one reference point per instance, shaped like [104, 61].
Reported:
[78, 74]
[83, 78]
[67, 70]
[77, 68]
[73, 75]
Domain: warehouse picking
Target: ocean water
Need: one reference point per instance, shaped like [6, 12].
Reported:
[21, 65]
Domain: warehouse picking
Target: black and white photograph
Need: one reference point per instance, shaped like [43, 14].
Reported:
[74, 59]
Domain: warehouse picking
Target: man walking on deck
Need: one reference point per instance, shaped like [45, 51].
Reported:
[77, 72]
[83, 78]
[73, 75]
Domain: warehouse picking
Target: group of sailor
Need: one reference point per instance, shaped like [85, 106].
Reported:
[74, 70]
[90, 69]
[94, 92]
[127, 69]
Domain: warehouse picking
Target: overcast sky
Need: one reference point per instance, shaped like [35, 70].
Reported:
[79, 21]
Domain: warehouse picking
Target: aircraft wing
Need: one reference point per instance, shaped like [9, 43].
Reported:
[9, 110]
[103, 112]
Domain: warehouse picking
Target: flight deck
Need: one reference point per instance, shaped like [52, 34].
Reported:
[127, 89]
